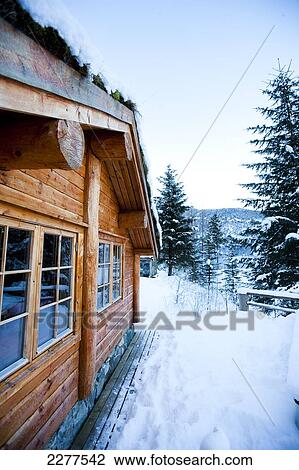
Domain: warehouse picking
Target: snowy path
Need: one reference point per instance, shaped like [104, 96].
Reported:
[196, 380]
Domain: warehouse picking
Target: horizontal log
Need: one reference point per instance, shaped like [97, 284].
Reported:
[109, 145]
[16, 197]
[15, 389]
[66, 402]
[132, 219]
[144, 252]
[25, 61]
[34, 143]
[20, 412]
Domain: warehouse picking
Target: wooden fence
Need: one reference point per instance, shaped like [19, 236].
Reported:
[245, 300]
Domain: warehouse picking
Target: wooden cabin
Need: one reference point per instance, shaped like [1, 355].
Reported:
[75, 216]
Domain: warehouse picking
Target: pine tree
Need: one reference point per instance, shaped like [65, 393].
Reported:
[195, 255]
[178, 238]
[214, 240]
[211, 241]
[231, 270]
[276, 260]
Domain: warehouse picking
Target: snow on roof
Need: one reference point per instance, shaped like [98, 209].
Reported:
[54, 13]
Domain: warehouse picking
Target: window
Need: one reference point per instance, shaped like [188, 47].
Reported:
[15, 278]
[56, 288]
[26, 249]
[109, 274]
[116, 289]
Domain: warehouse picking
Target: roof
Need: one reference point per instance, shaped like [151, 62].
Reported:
[26, 62]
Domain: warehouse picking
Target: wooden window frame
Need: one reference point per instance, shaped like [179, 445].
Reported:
[111, 301]
[70, 330]
[30, 349]
[27, 346]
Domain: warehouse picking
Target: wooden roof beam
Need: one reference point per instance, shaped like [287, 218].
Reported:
[109, 145]
[144, 252]
[35, 143]
[133, 220]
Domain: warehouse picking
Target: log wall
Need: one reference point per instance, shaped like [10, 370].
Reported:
[36, 399]
[60, 191]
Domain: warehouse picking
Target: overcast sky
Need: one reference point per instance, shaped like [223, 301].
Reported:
[179, 60]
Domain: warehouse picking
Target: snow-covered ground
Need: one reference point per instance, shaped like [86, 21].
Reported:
[195, 381]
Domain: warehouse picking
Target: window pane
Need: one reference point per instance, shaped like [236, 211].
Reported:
[14, 295]
[106, 295]
[116, 271]
[18, 249]
[46, 322]
[116, 290]
[116, 253]
[106, 273]
[101, 253]
[63, 316]
[107, 253]
[100, 303]
[66, 251]
[50, 252]
[65, 281]
[11, 342]
[48, 287]
[1, 245]
[100, 275]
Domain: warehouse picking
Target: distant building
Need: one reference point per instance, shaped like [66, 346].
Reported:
[148, 266]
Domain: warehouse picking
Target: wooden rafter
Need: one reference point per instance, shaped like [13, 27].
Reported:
[107, 145]
[133, 219]
[34, 143]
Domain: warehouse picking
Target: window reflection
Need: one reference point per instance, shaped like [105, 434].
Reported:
[65, 280]
[66, 251]
[48, 287]
[63, 316]
[18, 249]
[50, 250]
[14, 300]
[46, 324]
[11, 342]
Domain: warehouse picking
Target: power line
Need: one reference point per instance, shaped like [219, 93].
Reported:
[226, 101]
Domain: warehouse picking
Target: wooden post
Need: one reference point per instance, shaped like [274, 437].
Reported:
[35, 143]
[136, 289]
[89, 317]
[243, 300]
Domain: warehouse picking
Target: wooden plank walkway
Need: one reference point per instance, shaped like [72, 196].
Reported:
[111, 411]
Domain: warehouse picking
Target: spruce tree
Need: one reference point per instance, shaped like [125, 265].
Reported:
[276, 251]
[211, 242]
[178, 238]
[231, 270]
[195, 255]
[214, 240]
